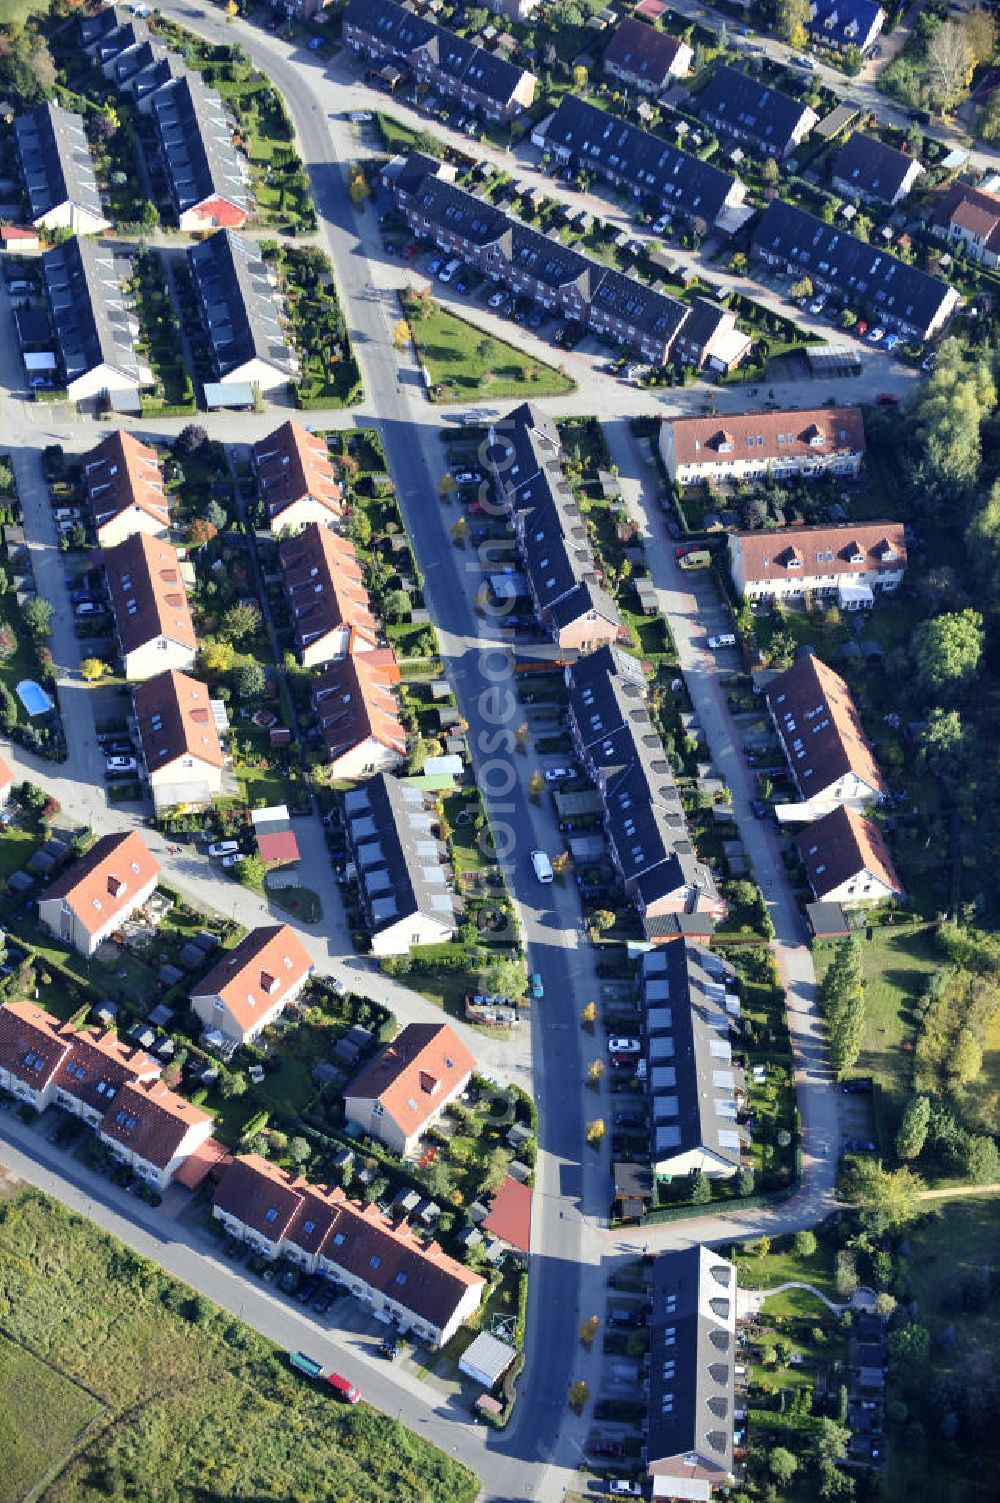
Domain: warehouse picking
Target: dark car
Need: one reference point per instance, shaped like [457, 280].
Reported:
[613, 1448]
[629, 1119]
[389, 1348]
[306, 1290]
[758, 808]
[118, 747]
[322, 1301]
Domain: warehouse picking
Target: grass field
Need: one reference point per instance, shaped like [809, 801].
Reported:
[30, 1449]
[300, 901]
[18, 10]
[198, 1405]
[465, 362]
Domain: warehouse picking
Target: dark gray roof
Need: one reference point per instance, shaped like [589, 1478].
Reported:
[444, 204]
[556, 552]
[866, 165]
[650, 313]
[648, 164]
[131, 33]
[521, 444]
[196, 144]
[404, 34]
[162, 67]
[549, 262]
[690, 1076]
[607, 692]
[83, 289]
[134, 59]
[643, 812]
[237, 303]
[692, 1354]
[865, 274]
[55, 161]
[397, 855]
[844, 22]
[734, 101]
[104, 21]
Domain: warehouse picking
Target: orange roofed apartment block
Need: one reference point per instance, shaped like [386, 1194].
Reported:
[150, 607]
[407, 1086]
[400, 1276]
[93, 897]
[752, 445]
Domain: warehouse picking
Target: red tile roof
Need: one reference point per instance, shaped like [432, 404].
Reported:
[842, 845]
[100, 1064]
[147, 593]
[817, 431]
[120, 473]
[292, 465]
[253, 976]
[175, 719]
[104, 882]
[278, 846]
[33, 1044]
[196, 1168]
[510, 1214]
[812, 704]
[151, 1120]
[848, 548]
[359, 1239]
[6, 773]
[973, 210]
[325, 587]
[354, 702]
[412, 1075]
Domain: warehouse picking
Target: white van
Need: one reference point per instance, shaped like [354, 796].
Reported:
[224, 848]
[542, 866]
[725, 639]
[447, 272]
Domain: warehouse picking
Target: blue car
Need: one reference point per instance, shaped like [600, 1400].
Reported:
[436, 265]
[890, 342]
[535, 317]
[535, 986]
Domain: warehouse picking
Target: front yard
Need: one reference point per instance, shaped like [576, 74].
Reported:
[464, 363]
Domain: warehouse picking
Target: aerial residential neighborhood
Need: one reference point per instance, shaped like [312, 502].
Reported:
[499, 814]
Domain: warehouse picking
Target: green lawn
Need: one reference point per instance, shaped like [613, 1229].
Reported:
[42, 1417]
[782, 1264]
[16, 848]
[199, 1406]
[301, 902]
[19, 10]
[464, 362]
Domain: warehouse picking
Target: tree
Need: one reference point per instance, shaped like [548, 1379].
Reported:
[847, 1031]
[232, 1084]
[37, 614]
[92, 669]
[888, 1199]
[947, 415]
[943, 744]
[250, 871]
[771, 173]
[982, 536]
[357, 184]
[745, 1181]
[536, 784]
[446, 485]
[149, 217]
[588, 1015]
[396, 606]
[507, 978]
[791, 19]
[589, 1329]
[980, 29]
[981, 1160]
[216, 515]
[830, 1439]
[217, 657]
[459, 532]
[947, 651]
[560, 863]
[989, 119]
[912, 1134]
[801, 289]
[909, 1346]
[201, 531]
[602, 920]
[966, 1059]
[191, 438]
[596, 1131]
[8, 710]
[485, 351]
[948, 64]
[240, 621]
[805, 1243]
[401, 334]
[578, 1395]
[701, 1188]
[595, 1071]
[782, 1465]
[249, 681]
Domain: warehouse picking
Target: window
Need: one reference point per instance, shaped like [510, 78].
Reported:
[309, 1227]
[374, 1261]
[271, 1214]
[378, 1109]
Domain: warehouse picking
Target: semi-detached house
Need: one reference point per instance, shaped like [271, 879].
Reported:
[847, 860]
[178, 739]
[57, 171]
[405, 1088]
[358, 715]
[150, 607]
[93, 897]
[824, 743]
[970, 218]
[650, 167]
[855, 562]
[867, 168]
[452, 66]
[846, 23]
[643, 58]
[296, 480]
[252, 984]
[738, 446]
[124, 485]
[865, 277]
[327, 599]
[402, 1278]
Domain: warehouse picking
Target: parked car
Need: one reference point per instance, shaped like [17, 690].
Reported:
[621, 1487]
[861, 328]
[228, 862]
[496, 300]
[535, 986]
[89, 608]
[725, 639]
[118, 748]
[322, 1301]
[223, 847]
[758, 808]
[114, 766]
[619, 1044]
[435, 265]
[891, 341]
[468, 477]
[389, 1348]
[556, 774]
[875, 336]
[409, 251]
[613, 1448]
[887, 399]
[629, 1119]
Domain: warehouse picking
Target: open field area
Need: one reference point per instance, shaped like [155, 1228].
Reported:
[465, 363]
[198, 1405]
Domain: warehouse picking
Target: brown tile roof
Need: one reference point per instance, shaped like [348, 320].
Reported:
[973, 210]
[768, 435]
[353, 700]
[33, 1043]
[292, 465]
[324, 586]
[257, 973]
[642, 51]
[510, 1214]
[99, 1064]
[151, 1120]
[175, 719]
[812, 704]
[208, 1156]
[842, 845]
[359, 1239]
[121, 472]
[104, 881]
[847, 549]
[6, 773]
[147, 593]
[412, 1074]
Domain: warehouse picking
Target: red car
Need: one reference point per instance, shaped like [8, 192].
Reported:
[409, 251]
[887, 399]
[861, 328]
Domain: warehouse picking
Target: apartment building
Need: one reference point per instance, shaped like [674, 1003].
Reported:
[852, 563]
[740, 446]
